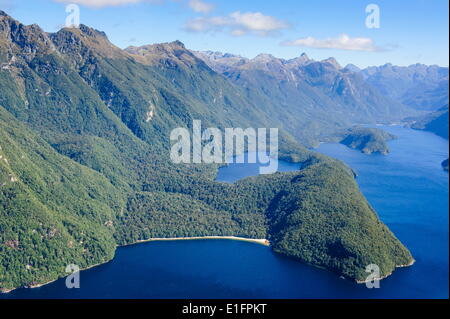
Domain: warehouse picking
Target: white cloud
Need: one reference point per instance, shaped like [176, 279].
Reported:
[343, 42]
[238, 24]
[201, 6]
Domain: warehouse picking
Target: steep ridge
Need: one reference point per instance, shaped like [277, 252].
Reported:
[95, 123]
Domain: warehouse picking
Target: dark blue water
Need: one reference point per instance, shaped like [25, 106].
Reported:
[408, 188]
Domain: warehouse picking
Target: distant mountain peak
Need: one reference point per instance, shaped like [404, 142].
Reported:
[19, 37]
[419, 86]
[85, 40]
[169, 53]
[352, 68]
[178, 43]
[299, 61]
[304, 57]
[220, 62]
[264, 57]
[219, 55]
[333, 62]
[229, 55]
[91, 31]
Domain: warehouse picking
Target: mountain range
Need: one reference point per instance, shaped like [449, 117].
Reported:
[383, 93]
[417, 86]
[312, 92]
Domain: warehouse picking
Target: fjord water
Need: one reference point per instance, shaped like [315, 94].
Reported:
[238, 170]
[408, 188]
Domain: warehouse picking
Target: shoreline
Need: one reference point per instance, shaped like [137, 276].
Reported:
[412, 262]
[263, 242]
[51, 281]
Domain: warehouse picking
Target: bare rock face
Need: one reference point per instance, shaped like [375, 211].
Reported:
[83, 44]
[30, 40]
[333, 62]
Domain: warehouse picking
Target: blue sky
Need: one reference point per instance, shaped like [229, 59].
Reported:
[413, 31]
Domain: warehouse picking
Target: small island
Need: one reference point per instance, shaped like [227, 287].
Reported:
[367, 140]
[445, 165]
